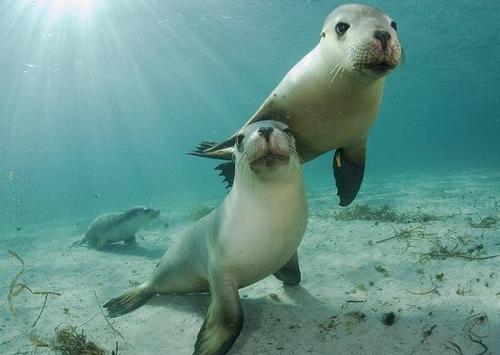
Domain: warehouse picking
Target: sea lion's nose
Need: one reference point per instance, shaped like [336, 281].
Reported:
[265, 132]
[383, 37]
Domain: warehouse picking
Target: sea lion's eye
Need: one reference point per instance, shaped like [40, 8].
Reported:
[394, 25]
[341, 28]
[239, 141]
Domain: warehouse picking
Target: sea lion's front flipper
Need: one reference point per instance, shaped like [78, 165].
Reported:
[224, 319]
[348, 169]
[290, 272]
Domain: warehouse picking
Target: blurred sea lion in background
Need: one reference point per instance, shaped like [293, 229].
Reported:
[116, 227]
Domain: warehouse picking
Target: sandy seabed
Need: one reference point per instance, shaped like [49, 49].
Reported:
[413, 247]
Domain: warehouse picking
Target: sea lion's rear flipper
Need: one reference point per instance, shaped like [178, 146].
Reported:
[227, 172]
[212, 150]
[290, 272]
[130, 300]
[78, 243]
[224, 320]
[348, 169]
[223, 151]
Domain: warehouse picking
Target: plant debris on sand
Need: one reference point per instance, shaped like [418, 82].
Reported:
[407, 234]
[383, 214]
[69, 342]
[16, 288]
[486, 222]
[440, 252]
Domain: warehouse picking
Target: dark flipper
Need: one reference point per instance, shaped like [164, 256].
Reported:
[290, 272]
[224, 320]
[227, 171]
[348, 169]
[222, 151]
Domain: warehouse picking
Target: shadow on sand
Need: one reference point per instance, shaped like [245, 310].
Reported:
[260, 313]
[133, 249]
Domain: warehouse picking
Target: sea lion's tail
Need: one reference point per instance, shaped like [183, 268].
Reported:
[130, 300]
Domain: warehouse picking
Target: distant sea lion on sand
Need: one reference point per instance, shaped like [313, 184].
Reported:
[115, 227]
[252, 234]
[332, 96]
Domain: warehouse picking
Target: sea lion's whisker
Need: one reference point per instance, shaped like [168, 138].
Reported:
[338, 68]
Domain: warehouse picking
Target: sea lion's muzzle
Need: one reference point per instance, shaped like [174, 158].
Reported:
[271, 146]
[269, 160]
[265, 132]
[383, 37]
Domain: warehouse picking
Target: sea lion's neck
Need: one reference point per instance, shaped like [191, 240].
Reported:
[248, 185]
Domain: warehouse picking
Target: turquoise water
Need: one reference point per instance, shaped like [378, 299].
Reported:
[100, 100]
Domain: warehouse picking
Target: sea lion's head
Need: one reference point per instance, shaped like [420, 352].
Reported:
[267, 149]
[142, 213]
[360, 39]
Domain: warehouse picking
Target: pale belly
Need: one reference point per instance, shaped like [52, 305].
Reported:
[323, 135]
[320, 127]
[321, 114]
[254, 247]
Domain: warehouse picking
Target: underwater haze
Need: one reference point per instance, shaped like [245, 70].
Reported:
[101, 100]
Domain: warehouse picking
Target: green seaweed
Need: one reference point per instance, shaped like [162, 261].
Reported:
[383, 214]
[486, 222]
[329, 324]
[382, 270]
[353, 320]
[442, 252]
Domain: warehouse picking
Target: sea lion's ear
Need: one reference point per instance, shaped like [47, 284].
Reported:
[323, 34]
[348, 169]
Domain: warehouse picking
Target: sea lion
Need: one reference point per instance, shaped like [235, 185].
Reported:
[250, 235]
[331, 97]
[115, 227]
